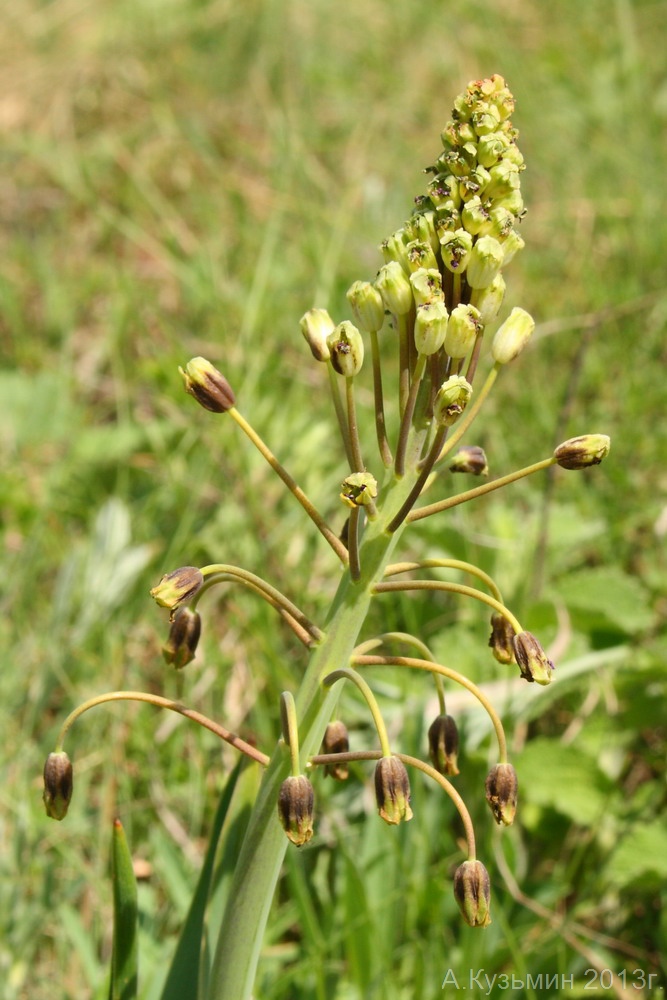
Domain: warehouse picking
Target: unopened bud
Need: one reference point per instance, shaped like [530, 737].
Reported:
[443, 744]
[472, 891]
[427, 286]
[512, 336]
[471, 459]
[347, 349]
[455, 250]
[296, 801]
[451, 400]
[502, 637]
[211, 389]
[181, 644]
[505, 179]
[395, 289]
[367, 305]
[475, 216]
[582, 452]
[392, 790]
[502, 787]
[534, 663]
[512, 242]
[485, 262]
[420, 255]
[316, 325]
[394, 250]
[430, 327]
[491, 148]
[336, 740]
[177, 587]
[489, 300]
[462, 329]
[58, 785]
[359, 489]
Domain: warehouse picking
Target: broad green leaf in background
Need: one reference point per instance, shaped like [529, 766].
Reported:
[612, 594]
[125, 953]
[564, 779]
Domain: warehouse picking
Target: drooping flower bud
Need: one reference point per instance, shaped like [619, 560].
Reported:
[484, 262]
[534, 663]
[177, 587]
[336, 740]
[392, 790]
[347, 349]
[472, 891]
[502, 788]
[316, 325]
[489, 300]
[296, 801]
[359, 489]
[430, 327]
[443, 744]
[395, 289]
[583, 451]
[451, 400]
[58, 785]
[512, 336]
[462, 329]
[211, 389]
[181, 644]
[471, 459]
[501, 639]
[367, 305]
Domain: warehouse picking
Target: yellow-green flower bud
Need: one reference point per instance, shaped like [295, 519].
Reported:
[534, 663]
[455, 249]
[485, 119]
[484, 262]
[472, 891]
[475, 216]
[471, 459]
[500, 223]
[489, 300]
[421, 256]
[460, 160]
[396, 291]
[58, 785]
[456, 133]
[502, 788]
[316, 325]
[181, 644]
[177, 587]
[296, 801]
[491, 148]
[462, 329]
[359, 489]
[474, 184]
[504, 179]
[211, 389]
[336, 740]
[448, 220]
[501, 638]
[367, 305]
[512, 336]
[394, 251]
[582, 452]
[511, 244]
[443, 190]
[512, 202]
[347, 349]
[430, 327]
[421, 228]
[443, 745]
[392, 790]
[427, 286]
[451, 400]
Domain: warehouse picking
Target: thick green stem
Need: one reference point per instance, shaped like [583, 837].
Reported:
[264, 846]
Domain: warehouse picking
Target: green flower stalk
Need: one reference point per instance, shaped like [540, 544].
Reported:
[437, 298]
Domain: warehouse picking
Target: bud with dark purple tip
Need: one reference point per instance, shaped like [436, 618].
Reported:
[181, 644]
[443, 745]
[58, 785]
[211, 389]
[472, 891]
[296, 801]
[502, 787]
[534, 663]
[336, 740]
[392, 790]
[470, 459]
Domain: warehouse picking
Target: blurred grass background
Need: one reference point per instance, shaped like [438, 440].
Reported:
[183, 177]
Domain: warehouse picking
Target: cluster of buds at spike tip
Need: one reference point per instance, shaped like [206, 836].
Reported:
[211, 389]
[392, 790]
[296, 801]
[58, 785]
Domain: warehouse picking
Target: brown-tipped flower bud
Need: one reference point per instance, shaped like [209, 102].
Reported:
[347, 349]
[511, 338]
[451, 400]
[359, 489]
[502, 638]
[58, 785]
[211, 389]
[582, 452]
[534, 663]
[471, 459]
[392, 790]
[296, 800]
[502, 787]
[177, 587]
[395, 289]
[181, 644]
[367, 305]
[316, 325]
[443, 744]
[472, 891]
[336, 740]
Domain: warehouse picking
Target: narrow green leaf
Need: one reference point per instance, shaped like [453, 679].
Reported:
[183, 978]
[125, 953]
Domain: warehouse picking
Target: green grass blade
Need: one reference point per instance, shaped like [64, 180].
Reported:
[125, 953]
